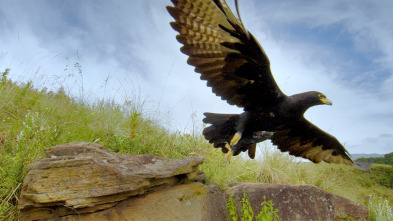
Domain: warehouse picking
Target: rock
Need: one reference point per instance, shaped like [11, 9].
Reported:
[191, 202]
[298, 202]
[78, 178]
[84, 181]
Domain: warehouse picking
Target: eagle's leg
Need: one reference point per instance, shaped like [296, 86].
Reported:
[235, 139]
[231, 147]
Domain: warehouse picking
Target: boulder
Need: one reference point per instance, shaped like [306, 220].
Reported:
[78, 178]
[298, 202]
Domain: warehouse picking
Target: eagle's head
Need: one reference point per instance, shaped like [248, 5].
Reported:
[301, 102]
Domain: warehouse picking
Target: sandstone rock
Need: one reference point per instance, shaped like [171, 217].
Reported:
[298, 202]
[78, 178]
[191, 202]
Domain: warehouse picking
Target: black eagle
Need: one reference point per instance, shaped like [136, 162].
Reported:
[237, 68]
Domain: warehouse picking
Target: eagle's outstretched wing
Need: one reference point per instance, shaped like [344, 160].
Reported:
[225, 53]
[303, 139]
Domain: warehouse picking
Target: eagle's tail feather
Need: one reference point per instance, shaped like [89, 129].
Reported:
[222, 129]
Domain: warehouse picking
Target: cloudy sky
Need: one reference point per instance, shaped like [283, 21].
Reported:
[127, 50]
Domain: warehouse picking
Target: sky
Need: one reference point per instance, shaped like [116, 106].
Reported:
[126, 50]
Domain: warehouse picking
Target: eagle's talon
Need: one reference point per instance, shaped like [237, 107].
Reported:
[228, 155]
[225, 163]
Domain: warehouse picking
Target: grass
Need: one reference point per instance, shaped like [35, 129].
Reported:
[32, 119]
[380, 210]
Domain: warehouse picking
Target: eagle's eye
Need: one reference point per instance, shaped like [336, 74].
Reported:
[321, 96]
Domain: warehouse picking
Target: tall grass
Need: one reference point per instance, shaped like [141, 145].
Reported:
[33, 119]
[380, 210]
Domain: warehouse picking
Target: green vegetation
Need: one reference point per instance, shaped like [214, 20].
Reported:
[382, 174]
[387, 159]
[267, 212]
[380, 210]
[247, 213]
[346, 217]
[33, 119]
[231, 206]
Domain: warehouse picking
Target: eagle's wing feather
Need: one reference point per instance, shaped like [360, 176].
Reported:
[303, 139]
[225, 53]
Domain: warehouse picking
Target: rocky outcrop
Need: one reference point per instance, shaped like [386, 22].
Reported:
[83, 178]
[84, 181]
[298, 202]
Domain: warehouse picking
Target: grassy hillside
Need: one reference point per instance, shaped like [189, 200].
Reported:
[32, 119]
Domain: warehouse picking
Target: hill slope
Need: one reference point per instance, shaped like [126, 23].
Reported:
[32, 119]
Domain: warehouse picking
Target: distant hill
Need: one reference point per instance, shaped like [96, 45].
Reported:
[386, 159]
[365, 155]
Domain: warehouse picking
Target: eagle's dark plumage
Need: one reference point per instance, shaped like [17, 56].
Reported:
[237, 68]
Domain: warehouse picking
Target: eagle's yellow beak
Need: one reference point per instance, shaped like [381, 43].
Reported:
[326, 101]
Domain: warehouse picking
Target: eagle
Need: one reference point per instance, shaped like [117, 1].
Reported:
[237, 69]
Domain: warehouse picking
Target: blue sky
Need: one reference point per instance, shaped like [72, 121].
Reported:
[127, 50]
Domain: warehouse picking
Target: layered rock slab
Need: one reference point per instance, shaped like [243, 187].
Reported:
[78, 178]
